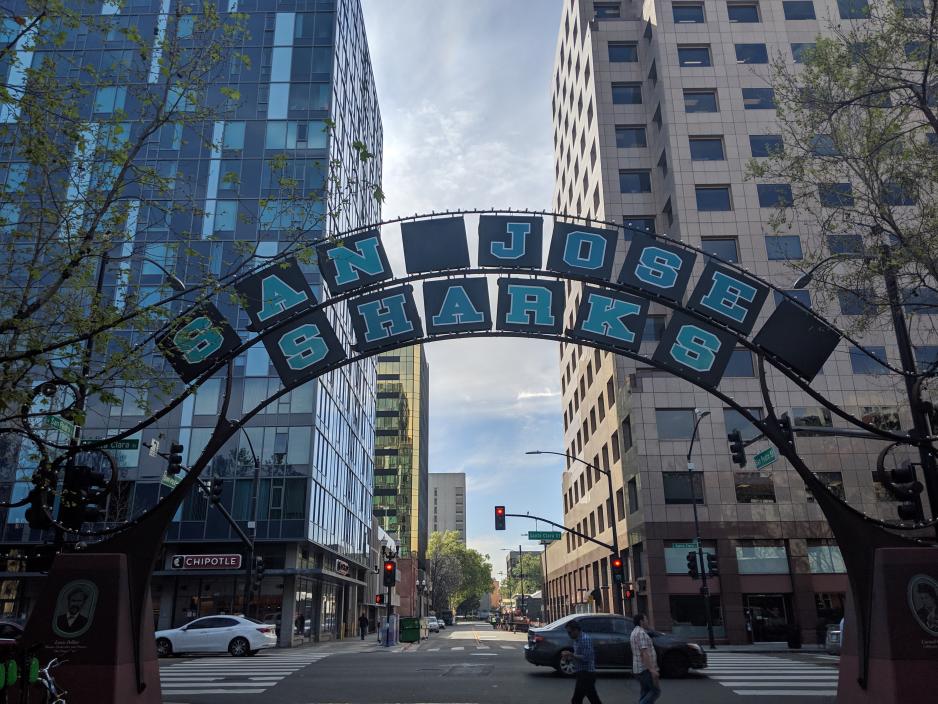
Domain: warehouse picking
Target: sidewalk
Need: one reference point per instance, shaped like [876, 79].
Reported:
[352, 645]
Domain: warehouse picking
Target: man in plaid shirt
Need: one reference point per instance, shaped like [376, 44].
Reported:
[584, 664]
[644, 661]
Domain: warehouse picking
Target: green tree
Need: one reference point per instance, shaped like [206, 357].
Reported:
[863, 110]
[527, 576]
[457, 575]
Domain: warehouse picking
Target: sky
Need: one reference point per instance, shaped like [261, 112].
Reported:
[464, 93]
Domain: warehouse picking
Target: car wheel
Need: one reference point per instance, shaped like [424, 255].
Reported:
[675, 665]
[164, 648]
[567, 668]
[239, 647]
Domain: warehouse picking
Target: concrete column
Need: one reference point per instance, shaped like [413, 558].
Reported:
[167, 607]
[287, 611]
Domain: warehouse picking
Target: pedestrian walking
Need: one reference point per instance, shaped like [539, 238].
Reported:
[584, 664]
[363, 625]
[644, 661]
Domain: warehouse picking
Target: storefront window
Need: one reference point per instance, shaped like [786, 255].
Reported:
[762, 559]
[689, 616]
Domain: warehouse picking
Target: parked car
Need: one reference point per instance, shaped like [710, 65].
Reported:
[835, 638]
[217, 634]
[432, 624]
[610, 634]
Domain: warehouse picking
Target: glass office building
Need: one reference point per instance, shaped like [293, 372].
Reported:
[301, 92]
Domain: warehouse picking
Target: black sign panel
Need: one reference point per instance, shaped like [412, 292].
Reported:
[582, 251]
[196, 340]
[798, 339]
[696, 349]
[456, 305]
[511, 241]
[728, 296]
[275, 293]
[435, 245]
[612, 319]
[530, 305]
[385, 318]
[353, 261]
[653, 265]
[304, 348]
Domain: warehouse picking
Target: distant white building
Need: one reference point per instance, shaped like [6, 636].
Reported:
[448, 502]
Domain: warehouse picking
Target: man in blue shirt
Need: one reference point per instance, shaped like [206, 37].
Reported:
[584, 664]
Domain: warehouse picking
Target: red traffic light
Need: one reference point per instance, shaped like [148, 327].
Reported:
[388, 566]
[629, 593]
[379, 598]
[617, 562]
[499, 510]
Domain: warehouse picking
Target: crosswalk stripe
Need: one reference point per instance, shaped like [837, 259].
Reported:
[223, 675]
[457, 647]
[785, 692]
[765, 676]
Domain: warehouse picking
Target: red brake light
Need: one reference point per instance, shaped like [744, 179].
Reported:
[265, 629]
[538, 639]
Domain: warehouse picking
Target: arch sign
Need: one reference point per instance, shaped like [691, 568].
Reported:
[721, 308]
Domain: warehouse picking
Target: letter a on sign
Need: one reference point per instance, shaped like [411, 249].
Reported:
[196, 340]
[456, 305]
[275, 293]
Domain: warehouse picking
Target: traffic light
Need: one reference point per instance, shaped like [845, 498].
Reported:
[499, 518]
[618, 569]
[904, 485]
[737, 448]
[629, 593]
[218, 486]
[390, 573]
[174, 459]
[379, 598]
[784, 424]
[713, 569]
[692, 567]
[82, 492]
[258, 572]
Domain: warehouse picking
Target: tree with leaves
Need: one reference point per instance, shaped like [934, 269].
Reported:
[525, 575]
[456, 575]
[859, 147]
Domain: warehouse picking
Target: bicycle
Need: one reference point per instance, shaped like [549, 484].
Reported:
[53, 694]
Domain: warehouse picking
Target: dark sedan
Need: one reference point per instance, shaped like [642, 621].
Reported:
[610, 635]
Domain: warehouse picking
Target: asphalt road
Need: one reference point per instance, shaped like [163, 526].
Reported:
[473, 664]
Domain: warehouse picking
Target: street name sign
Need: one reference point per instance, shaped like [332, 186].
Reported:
[543, 535]
[169, 480]
[125, 444]
[765, 458]
[207, 562]
[684, 546]
[60, 424]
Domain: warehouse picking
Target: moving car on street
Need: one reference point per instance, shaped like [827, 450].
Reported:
[610, 636]
[236, 635]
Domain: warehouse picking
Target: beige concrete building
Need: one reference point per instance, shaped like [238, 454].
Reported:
[447, 507]
[658, 106]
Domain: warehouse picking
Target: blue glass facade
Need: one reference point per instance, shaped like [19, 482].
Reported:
[301, 92]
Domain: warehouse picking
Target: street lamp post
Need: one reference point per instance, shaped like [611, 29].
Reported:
[699, 415]
[617, 605]
[252, 526]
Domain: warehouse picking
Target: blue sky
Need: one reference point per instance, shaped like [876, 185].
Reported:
[464, 90]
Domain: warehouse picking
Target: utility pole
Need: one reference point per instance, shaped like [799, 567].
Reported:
[521, 575]
[252, 527]
[702, 565]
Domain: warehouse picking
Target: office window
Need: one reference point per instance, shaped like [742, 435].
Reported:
[897, 194]
[713, 198]
[700, 100]
[912, 8]
[863, 363]
[734, 420]
[606, 10]
[845, 244]
[762, 558]
[799, 294]
[688, 13]
[678, 488]
[627, 93]
[626, 436]
[758, 99]
[632, 486]
[799, 10]
[824, 557]
[654, 328]
[743, 11]
[823, 145]
[765, 144]
[706, 149]
[754, 488]
[836, 195]
[774, 195]
[783, 247]
[856, 302]
[853, 9]
[694, 56]
[674, 423]
[623, 52]
[630, 137]
[636, 181]
[740, 364]
[801, 51]
[752, 54]
[642, 223]
[726, 248]
[810, 417]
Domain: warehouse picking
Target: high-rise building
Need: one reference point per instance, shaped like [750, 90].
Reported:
[300, 92]
[401, 449]
[448, 502]
[658, 107]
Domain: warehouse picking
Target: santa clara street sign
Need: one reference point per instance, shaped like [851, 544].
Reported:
[207, 562]
[543, 535]
[766, 457]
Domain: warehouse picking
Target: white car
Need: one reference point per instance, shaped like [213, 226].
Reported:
[216, 634]
[433, 625]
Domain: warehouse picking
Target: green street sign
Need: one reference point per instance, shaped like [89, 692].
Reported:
[543, 535]
[685, 546]
[765, 458]
[60, 424]
[169, 480]
[126, 444]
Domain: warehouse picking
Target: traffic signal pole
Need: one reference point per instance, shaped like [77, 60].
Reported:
[701, 564]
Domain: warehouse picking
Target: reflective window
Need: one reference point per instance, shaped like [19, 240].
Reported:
[675, 555]
[713, 198]
[810, 417]
[845, 244]
[623, 52]
[798, 10]
[833, 481]
[688, 12]
[897, 194]
[606, 10]
[762, 559]
[734, 420]
[674, 423]
[774, 195]
[678, 488]
[706, 149]
[740, 364]
[752, 54]
[233, 136]
[863, 363]
[783, 247]
[754, 488]
[799, 294]
[823, 145]
[700, 100]
[635, 181]
[765, 144]
[853, 9]
[825, 558]
[836, 195]
[926, 356]
[912, 8]
[758, 98]
[801, 51]
[856, 302]
[643, 223]
[743, 11]
[694, 56]
[627, 93]
[628, 137]
[654, 328]
[726, 248]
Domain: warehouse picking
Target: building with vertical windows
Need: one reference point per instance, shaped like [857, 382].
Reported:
[657, 109]
[448, 503]
[402, 423]
[293, 95]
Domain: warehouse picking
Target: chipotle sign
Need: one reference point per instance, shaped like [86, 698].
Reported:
[206, 562]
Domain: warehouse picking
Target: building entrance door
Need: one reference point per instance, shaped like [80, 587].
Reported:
[767, 616]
